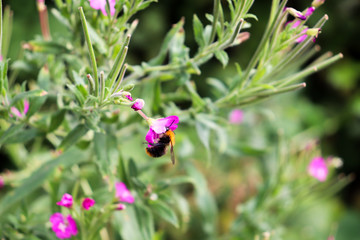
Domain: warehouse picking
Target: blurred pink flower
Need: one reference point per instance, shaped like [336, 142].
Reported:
[64, 227]
[318, 169]
[129, 97]
[236, 116]
[16, 111]
[138, 105]
[122, 193]
[2, 184]
[101, 5]
[88, 203]
[121, 206]
[66, 201]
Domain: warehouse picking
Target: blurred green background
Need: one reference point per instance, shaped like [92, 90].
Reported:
[333, 95]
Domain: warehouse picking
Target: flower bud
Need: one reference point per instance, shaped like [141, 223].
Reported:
[138, 105]
[295, 13]
[317, 3]
[129, 87]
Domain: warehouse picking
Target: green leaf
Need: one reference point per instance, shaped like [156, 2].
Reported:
[11, 131]
[79, 96]
[28, 94]
[136, 224]
[165, 212]
[23, 136]
[203, 133]
[205, 201]
[165, 183]
[250, 15]
[166, 43]
[44, 79]
[56, 120]
[35, 104]
[98, 42]
[73, 136]
[222, 56]
[38, 177]
[198, 31]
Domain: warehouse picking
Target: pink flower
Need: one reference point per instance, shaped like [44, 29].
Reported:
[302, 37]
[138, 105]
[122, 193]
[88, 203]
[2, 184]
[16, 111]
[64, 227]
[101, 5]
[121, 206]
[66, 201]
[236, 116]
[159, 126]
[129, 97]
[318, 169]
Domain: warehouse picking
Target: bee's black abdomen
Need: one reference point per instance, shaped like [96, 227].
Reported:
[157, 150]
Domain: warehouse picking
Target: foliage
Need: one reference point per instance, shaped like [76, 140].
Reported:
[79, 134]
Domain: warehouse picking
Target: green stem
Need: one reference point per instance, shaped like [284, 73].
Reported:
[1, 26]
[216, 17]
[264, 40]
[309, 70]
[91, 50]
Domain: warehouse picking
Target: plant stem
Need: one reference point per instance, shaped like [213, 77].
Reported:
[91, 50]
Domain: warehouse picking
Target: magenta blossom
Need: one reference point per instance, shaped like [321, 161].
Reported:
[66, 201]
[129, 97]
[17, 112]
[88, 203]
[138, 105]
[159, 126]
[236, 116]
[318, 169]
[122, 193]
[120, 206]
[302, 37]
[101, 5]
[64, 227]
[2, 184]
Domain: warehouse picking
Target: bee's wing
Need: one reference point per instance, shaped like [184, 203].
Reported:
[172, 153]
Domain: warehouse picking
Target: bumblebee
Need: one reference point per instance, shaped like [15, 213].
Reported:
[160, 148]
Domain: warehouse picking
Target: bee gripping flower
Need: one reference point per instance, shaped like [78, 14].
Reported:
[66, 201]
[87, 203]
[122, 193]
[318, 169]
[159, 126]
[64, 227]
[101, 5]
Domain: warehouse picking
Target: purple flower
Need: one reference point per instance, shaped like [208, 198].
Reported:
[64, 227]
[101, 5]
[138, 105]
[88, 203]
[159, 126]
[129, 97]
[16, 111]
[66, 201]
[122, 193]
[318, 169]
[309, 11]
[236, 116]
[2, 184]
[120, 206]
[295, 13]
[302, 37]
